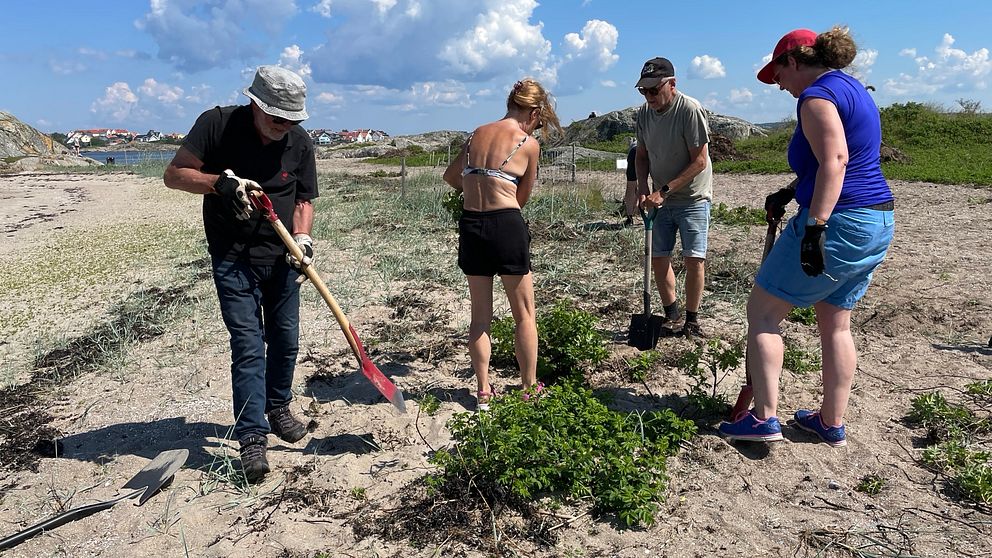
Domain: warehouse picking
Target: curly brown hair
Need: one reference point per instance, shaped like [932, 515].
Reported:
[834, 49]
[529, 94]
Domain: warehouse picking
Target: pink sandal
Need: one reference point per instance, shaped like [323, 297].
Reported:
[483, 398]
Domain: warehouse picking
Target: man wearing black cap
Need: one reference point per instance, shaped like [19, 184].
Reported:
[672, 137]
[229, 152]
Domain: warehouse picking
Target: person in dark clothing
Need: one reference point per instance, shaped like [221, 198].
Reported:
[230, 152]
[630, 194]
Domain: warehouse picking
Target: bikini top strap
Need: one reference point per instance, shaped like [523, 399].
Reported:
[468, 150]
[507, 160]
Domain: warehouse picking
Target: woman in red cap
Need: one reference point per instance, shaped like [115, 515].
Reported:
[827, 253]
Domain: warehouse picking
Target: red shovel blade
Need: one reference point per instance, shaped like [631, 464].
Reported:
[743, 402]
[387, 388]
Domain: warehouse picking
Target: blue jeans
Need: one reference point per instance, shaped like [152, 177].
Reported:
[692, 222]
[261, 309]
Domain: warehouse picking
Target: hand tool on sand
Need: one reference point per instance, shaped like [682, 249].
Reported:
[746, 396]
[389, 390]
[142, 486]
[645, 329]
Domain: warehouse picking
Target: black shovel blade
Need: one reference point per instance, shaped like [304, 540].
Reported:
[153, 476]
[645, 329]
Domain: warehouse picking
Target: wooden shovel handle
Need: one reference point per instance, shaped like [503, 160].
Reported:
[262, 203]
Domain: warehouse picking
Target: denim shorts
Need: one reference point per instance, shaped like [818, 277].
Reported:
[692, 223]
[856, 243]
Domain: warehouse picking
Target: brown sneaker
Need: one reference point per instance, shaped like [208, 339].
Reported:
[692, 329]
[285, 425]
[671, 327]
[253, 460]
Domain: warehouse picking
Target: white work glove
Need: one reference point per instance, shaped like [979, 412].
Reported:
[235, 190]
[306, 246]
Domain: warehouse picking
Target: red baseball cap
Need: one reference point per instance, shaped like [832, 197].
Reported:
[791, 40]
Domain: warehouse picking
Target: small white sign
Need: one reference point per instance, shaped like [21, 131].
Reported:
[621, 164]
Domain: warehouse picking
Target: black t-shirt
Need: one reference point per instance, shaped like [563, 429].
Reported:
[225, 138]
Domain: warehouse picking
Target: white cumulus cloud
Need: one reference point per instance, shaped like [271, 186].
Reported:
[706, 67]
[292, 59]
[195, 36]
[329, 98]
[403, 44]
[117, 102]
[322, 8]
[949, 70]
[162, 92]
[741, 96]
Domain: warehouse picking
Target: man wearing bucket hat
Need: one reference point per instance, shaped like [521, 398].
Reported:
[229, 152]
[672, 139]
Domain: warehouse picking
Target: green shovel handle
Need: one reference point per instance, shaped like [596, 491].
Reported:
[648, 217]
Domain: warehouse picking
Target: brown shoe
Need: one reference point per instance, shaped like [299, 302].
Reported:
[253, 460]
[285, 425]
[692, 329]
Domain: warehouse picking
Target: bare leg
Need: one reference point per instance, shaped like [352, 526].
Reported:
[480, 290]
[664, 277]
[520, 292]
[840, 359]
[630, 199]
[765, 349]
[695, 269]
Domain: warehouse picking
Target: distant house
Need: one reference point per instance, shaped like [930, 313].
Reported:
[363, 135]
[151, 136]
[322, 137]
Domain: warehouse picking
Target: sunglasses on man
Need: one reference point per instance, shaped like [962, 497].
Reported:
[280, 121]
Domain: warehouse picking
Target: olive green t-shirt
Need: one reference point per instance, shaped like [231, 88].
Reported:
[667, 136]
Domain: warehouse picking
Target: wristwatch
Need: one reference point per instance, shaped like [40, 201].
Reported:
[815, 222]
[665, 189]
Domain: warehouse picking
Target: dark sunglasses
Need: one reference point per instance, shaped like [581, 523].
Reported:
[280, 120]
[648, 90]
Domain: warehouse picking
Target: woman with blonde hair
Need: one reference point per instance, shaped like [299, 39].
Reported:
[496, 171]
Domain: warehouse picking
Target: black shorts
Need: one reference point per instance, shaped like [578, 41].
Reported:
[493, 243]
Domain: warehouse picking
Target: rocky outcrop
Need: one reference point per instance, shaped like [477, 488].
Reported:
[603, 128]
[24, 148]
[17, 139]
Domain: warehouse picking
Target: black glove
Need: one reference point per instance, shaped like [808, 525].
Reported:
[235, 191]
[775, 203]
[811, 254]
[306, 246]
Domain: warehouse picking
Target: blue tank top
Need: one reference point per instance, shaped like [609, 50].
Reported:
[864, 184]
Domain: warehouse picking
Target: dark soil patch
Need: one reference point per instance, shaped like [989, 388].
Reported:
[25, 431]
[479, 515]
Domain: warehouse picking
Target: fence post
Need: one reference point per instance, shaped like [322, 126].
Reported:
[403, 177]
[573, 163]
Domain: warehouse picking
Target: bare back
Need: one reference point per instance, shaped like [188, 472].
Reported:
[488, 148]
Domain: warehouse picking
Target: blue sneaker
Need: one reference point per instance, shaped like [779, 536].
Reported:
[810, 422]
[750, 429]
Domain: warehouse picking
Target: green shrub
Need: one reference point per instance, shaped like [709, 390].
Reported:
[619, 143]
[566, 444]
[959, 447]
[740, 216]
[805, 316]
[568, 342]
[799, 360]
[641, 364]
[706, 366]
[454, 204]
[871, 484]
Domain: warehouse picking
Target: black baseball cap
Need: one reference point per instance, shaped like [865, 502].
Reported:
[654, 71]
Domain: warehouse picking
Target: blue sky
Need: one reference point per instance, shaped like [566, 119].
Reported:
[408, 66]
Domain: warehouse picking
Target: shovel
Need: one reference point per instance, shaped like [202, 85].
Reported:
[143, 485]
[389, 390]
[746, 396]
[645, 329]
